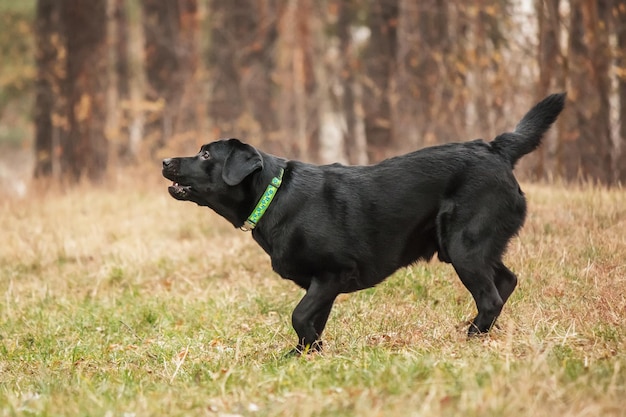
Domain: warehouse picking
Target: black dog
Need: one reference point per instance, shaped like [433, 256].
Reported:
[336, 229]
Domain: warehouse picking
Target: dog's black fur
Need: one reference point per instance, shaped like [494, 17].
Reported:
[336, 229]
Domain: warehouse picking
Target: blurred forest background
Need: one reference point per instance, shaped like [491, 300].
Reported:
[89, 86]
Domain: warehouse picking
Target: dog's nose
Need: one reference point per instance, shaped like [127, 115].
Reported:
[167, 162]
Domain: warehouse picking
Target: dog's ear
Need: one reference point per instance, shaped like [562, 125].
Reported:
[242, 161]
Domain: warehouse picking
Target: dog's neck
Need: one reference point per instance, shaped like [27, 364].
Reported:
[264, 202]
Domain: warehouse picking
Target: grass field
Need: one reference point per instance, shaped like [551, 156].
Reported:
[120, 301]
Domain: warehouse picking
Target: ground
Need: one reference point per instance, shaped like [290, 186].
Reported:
[119, 300]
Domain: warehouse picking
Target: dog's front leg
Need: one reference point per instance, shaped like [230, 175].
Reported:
[310, 315]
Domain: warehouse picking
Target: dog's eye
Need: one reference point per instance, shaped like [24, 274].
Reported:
[205, 155]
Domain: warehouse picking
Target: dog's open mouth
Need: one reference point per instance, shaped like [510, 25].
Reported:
[179, 192]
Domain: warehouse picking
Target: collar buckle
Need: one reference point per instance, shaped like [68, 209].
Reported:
[247, 226]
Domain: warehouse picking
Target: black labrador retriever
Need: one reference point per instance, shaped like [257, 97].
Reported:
[336, 229]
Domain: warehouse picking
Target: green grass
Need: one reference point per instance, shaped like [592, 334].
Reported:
[120, 301]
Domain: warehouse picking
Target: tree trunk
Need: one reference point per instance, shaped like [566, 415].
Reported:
[48, 86]
[85, 148]
[479, 83]
[297, 110]
[597, 145]
[420, 106]
[122, 66]
[355, 140]
[229, 23]
[186, 122]
[330, 96]
[414, 64]
[379, 70]
[456, 94]
[620, 29]
[121, 71]
[568, 153]
[258, 67]
[170, 31]
[585, 149]
[541, 163]
[241, 67]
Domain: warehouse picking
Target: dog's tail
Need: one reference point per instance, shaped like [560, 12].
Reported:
[529, 131]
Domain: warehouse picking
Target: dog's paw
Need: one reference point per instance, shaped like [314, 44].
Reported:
[300, 350]
[474, 331]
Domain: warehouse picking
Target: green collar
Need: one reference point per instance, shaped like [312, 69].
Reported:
[263, 203]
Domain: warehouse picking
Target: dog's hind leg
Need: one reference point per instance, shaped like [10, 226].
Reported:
[505, 281]
[471, 256]
[479, 280]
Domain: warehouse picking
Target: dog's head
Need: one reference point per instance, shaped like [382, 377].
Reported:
[216, 176]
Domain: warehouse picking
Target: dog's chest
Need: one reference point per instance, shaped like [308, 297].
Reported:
[286, 270]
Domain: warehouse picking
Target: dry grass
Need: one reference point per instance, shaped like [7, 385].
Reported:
[122, 301]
